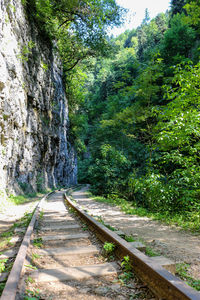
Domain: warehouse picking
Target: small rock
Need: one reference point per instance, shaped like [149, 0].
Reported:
[102, 290]
[84, 290]
[120, 233]
[20, 229]
[115, 287]
[16, 239]
[121, 298]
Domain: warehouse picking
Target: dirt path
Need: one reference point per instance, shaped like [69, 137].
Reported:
[14, 212]
[170, 241]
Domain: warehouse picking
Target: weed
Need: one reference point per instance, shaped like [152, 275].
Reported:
[44, 66]
[7, 234]
[85, 228]
[9, 266]
[182, 271]
[129, 238]
[20, 199]
[41, 215]
[25, 51]
[31, 267]
[71, 210]
[125, 277]
[109, 249]
[32, 294]
[38, 242]
[99, 218]
[150, 252]
[29, 279]
[5, 242]
[2, 285]
[126, 264]
[35, 256]
[24, 221]
[3, 264]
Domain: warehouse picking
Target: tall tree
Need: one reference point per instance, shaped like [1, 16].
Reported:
[177, 6]
[146, 17]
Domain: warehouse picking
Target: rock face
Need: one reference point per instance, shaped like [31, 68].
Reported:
[34, 137]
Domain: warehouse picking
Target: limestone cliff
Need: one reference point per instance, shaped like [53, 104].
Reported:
[34, 138]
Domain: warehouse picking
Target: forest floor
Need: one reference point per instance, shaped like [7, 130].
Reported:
[170, 241]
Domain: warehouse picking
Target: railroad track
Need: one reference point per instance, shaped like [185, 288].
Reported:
[61, 257]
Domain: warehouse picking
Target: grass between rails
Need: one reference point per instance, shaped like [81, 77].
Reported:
[187, 221]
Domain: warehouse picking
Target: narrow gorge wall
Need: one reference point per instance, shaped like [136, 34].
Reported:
[34, 137]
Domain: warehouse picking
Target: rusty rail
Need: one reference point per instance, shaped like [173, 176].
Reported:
[162, 283]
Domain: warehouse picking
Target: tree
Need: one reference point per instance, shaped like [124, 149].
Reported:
[177, 6]
[79, 26]
[178, 41]
[146, 17]
[193, 12]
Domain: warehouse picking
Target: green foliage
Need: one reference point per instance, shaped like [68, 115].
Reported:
[24, 221]
[40, 182]
[19, 199]
[178, 40]
[29, 280]
[35, 256]
[2, 285]
[150, 252]
[41, 216]
[109, 248]
[26, 51]
[44, 66]
[178, 7]
[99, 218]
[30, 267]
[109, 168]
[24, 2]
[78, 26]
[193, 12]
[32, 294]
[129, 238]
[142, 137]
[134, 114]
[127, 274]
[126, 264]
[174, 185]
[183, 271]
[3, 265]
[38, 242]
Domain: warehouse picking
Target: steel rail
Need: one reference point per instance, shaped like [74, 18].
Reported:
[12, 282]
[161, 282]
